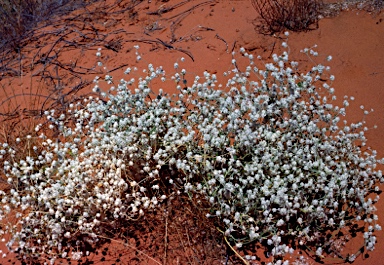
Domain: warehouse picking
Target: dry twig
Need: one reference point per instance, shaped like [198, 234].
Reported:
[280, 15]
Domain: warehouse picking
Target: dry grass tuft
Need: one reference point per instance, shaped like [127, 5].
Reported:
[281, 15]
[18, 17]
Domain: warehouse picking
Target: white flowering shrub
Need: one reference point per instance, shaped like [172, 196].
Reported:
[279, 163]
[104, 166]
[269, 153]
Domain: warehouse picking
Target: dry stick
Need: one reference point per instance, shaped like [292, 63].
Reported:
[8, 98]
[190, 245]
[74, 72]
[55, 43]
[182, 243]
[177, 22]
[159, 41]
[192, 8]
[117, 68]
[132, 247]
[233, 46]
[169, 46]
[273, 48]
[237, 254]
[37, 99]
[189, 241]
[168, 9]
[166, 238]
[184, 15]
[220, 38]
[188, 53]
[206, 28]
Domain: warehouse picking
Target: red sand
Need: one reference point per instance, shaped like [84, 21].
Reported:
[208, 31]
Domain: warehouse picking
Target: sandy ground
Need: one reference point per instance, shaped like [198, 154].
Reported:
[60, 63]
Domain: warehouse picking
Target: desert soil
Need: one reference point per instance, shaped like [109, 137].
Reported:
[58, 64]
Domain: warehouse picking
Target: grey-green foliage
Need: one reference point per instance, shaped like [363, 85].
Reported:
[269, 152]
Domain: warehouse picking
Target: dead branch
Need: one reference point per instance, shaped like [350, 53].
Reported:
[294, 15]
[167, 9]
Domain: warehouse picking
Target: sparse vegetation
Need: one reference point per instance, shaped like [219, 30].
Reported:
[265, 160]
[295, 15]
[268, 154]
[18, 17]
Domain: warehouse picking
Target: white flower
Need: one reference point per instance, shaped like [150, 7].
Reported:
[76, 255]
[319, 251]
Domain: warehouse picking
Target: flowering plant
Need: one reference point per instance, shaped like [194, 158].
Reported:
[267, 153]
[280, 164]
